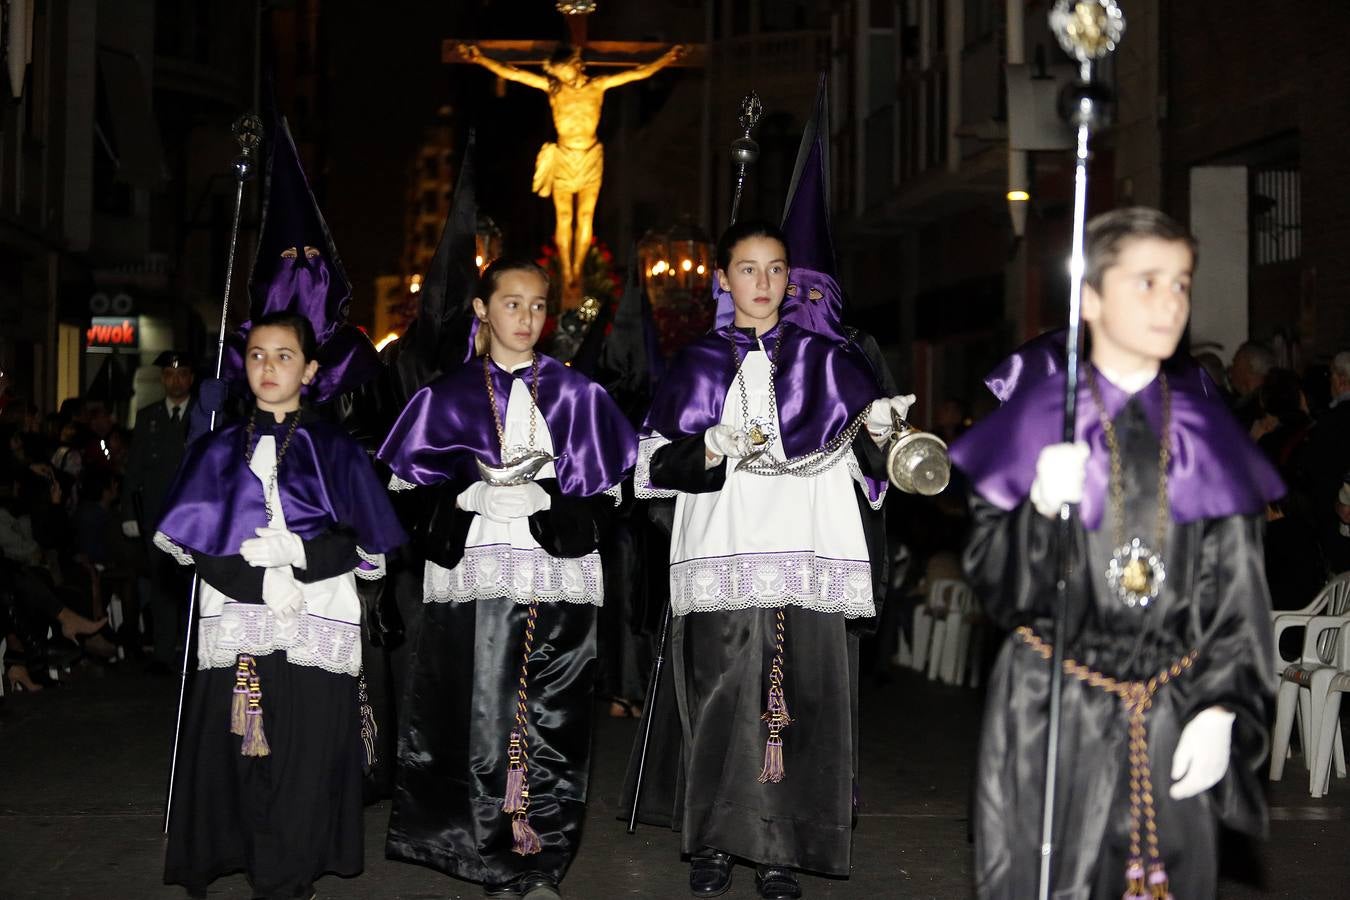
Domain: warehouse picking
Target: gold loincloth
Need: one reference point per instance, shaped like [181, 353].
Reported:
[566, 170]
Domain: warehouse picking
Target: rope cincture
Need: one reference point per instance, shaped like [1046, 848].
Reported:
[777, 712]
[517, 800]
[1141, 883]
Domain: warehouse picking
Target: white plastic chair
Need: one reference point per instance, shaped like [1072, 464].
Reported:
[923, 636]
[1332, 600]
[950, 603]
[1303, 687]
[1329, 744]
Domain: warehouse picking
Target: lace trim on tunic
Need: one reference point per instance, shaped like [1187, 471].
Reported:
[500, 570]
[615, 492]
[165, 543]
[769, 580]
[251, 628]
[855, 471]
[642, 483]
[372, 566]
[398, 484]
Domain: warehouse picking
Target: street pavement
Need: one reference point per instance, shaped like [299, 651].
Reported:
[84, 768]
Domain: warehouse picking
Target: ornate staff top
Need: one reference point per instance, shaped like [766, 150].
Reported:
[1087, 29]
[248, 132]
[744, 149]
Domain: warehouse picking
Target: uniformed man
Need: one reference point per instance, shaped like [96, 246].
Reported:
[156, 450]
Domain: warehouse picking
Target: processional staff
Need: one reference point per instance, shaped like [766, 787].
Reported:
[1088, 30]
[247, 130]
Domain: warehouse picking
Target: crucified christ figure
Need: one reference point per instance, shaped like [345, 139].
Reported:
[571, 169]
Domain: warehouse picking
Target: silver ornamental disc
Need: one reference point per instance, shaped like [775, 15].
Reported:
[1136, 573]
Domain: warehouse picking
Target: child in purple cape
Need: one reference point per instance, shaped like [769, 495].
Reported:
[1167, 679]
[280, 514]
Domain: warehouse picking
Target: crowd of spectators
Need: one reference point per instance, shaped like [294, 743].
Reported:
[65, 563]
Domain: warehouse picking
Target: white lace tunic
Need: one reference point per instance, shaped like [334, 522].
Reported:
[328, 631]
[766, 541]
[504, 559]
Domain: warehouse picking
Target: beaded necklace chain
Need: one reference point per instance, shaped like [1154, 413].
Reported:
[250, 446]
[763, 431]
[1136, 571]
[492, 402]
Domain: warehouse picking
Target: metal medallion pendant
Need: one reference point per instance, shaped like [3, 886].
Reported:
[760, 431]
[1136, 573]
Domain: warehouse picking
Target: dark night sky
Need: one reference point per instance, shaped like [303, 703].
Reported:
[388, 83]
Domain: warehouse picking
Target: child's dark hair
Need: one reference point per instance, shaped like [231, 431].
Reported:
[750, 228]
[487, 282]
[1108, 233]
[303, 328]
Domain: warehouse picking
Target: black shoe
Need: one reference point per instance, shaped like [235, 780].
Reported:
[777, 883]
[710, 873]
[540, 887]
[502, 891]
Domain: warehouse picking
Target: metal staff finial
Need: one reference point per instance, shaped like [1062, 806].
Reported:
[1088, 30]
[248, 132]
[744, 150]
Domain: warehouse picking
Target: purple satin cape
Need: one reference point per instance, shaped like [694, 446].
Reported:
[820, 387]
[347, 359]
[1045, 356]
[325, 479]
[447, 426]
[1215, 471]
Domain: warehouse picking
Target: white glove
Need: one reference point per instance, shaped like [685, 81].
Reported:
[502, 504]
[283, 595]
[725, 441]
[1202, 753]
[273, 547]
[130, 529]
[529, 496]
[879, 421]
[1060, 472]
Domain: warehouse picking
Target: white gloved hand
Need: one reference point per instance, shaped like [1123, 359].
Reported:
[283, 595]
[1060, 472]
[723, 441]
[130, 529]
[531, 497]
[1202, 753]
[879, 421]
[273, 547]
[500, 503]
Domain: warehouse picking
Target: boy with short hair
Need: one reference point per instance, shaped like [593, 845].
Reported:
[1167, 640]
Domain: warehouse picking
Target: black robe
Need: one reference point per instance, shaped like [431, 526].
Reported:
[459, 709]
[291, 816]
[1214, 601]
[708, 741]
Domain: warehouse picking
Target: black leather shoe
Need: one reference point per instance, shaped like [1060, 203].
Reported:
[777, 883]
[710, 873]
[539, 887]
[507, 891]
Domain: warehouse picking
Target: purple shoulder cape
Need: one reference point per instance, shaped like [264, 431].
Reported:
[1216, 470]
[447, 426]
[325, 479]
[820, 387]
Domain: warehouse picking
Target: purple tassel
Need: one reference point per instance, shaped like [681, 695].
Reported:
[515, 791]
[239, 702]
[773, 760]
[255, 739]
[526, 841]
[515, 777]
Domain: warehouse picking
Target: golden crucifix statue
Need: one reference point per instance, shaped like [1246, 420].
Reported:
[570, 171]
